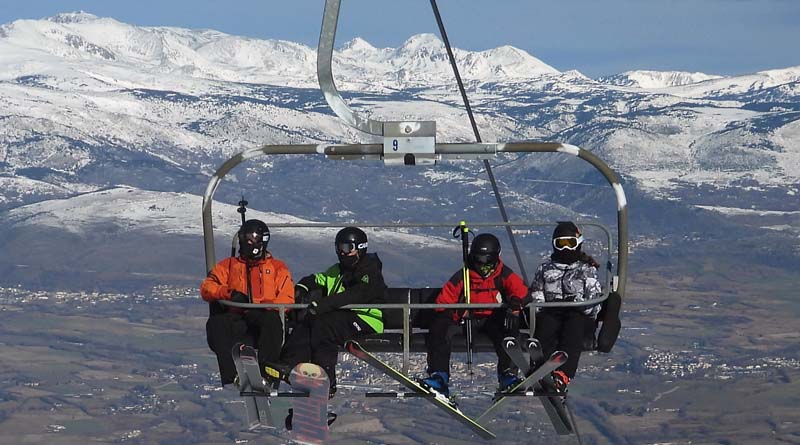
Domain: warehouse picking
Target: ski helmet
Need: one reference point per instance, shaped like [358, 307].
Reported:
[484, 254]
[253, 239]
[567, 242]
[348, 240]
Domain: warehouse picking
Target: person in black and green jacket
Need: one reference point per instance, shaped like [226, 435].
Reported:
[356, 279]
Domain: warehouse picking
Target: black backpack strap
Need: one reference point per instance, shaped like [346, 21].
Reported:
[505, 272]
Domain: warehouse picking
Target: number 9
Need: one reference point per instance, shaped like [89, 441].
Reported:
[395, 145]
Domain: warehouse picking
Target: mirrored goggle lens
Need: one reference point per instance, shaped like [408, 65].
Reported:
[254, 238]
[567, 242]
[349, 247]
[345, 247]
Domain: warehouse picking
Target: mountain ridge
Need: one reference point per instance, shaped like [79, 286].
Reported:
[76, 120]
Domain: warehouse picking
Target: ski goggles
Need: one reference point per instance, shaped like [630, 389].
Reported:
[347, 248]
[567, 242]
[483, 259]
[253, 238]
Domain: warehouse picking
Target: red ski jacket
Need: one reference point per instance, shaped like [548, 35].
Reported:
[502, 285]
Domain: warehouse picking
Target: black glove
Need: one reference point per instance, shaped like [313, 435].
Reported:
[511, 322]
[318, 304]
[515, 304]
[304, 296]
[238, 297]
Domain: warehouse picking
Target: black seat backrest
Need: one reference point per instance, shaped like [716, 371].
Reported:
[393, 318]
[421, 318]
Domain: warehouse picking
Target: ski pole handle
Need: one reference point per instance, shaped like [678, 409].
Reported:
[242, 209]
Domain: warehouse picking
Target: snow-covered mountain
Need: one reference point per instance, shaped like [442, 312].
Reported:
[90, 103]
[657, 79]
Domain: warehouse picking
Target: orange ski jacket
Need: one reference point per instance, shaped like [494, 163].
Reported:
[266, 281]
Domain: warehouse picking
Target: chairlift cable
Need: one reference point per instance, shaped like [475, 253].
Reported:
[486, 164]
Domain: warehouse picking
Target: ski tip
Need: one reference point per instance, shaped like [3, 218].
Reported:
[352, 345]
[510, 341]
[237, 349]
[559, 356]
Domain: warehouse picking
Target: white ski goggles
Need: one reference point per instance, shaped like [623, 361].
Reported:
[567, 242]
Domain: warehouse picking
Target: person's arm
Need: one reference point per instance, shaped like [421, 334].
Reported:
[516, 290]
[215, 286]
[284, 286]
[369, 287]
[591, 290]
[308, 288]
[452, 290]
[537, 286]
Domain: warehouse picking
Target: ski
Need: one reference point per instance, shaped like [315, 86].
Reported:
[438, 400]
[251, 383]
[517, 354]
[557, 359]
[554, 405]
[308, 419]
[556, 409]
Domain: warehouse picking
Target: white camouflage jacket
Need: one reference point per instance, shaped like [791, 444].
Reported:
[567, 282]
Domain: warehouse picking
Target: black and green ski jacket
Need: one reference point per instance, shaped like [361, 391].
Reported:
[359, 285]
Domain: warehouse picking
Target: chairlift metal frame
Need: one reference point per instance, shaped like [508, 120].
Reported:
[409, 143]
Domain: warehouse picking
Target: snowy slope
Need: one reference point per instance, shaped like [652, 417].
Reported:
[173, 214]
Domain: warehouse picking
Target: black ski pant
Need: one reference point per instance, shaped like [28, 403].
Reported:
[317, 340]
[562, 330]
[439, 340]
[259, 328]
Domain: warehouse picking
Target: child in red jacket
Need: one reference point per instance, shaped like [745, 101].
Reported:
[491, 281]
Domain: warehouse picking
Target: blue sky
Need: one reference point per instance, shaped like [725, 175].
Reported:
[596, 37]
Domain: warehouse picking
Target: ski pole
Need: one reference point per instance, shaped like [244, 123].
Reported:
[464, 233]
[242, 210]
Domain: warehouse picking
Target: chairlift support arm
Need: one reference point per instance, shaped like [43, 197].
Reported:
[442, 151]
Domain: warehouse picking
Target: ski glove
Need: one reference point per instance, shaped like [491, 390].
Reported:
[239, 297]
[316, 302]
[516, 304]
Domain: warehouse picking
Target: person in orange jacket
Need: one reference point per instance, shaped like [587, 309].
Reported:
[255, 276]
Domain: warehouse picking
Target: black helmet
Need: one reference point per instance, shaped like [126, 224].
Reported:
[484, 254]
[253, 239]
[348, 240]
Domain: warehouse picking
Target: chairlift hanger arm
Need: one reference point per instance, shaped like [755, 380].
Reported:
[327, 36]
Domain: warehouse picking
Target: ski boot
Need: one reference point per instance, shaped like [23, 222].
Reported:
[556, 383]
[508, 380]
[437, 382]
[275, 373]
